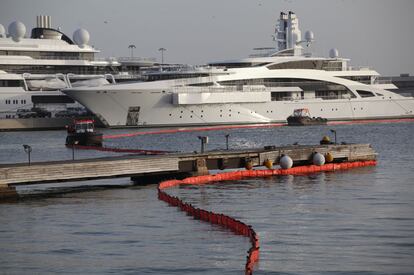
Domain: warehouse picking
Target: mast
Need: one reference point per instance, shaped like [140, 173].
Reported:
[288, 34]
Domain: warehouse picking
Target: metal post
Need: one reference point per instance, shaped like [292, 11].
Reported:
[227, 141]
[132, 47]
[73, 149]
[204, 141]
[28, 150]
[334, 132]
[162, 50]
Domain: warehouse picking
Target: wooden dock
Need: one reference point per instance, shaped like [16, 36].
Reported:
[140, 167]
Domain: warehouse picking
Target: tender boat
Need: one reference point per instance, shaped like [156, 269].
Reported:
[82, 132]
[302, 117]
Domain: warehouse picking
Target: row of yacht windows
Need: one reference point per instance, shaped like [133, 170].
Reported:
[326, 65]
[192, 115]
[50, 69]
[362, 79]
[51, 55]
[11, 83]
[321, 89]
[15, 101]
[154, 77]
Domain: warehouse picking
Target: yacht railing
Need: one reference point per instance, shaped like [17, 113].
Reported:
[135, 59]
[63, 58]
[383, 81]
[359, 68]
[218, 89]
[287, 84]
[290, 98]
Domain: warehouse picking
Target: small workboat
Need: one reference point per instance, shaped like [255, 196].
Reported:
[302, 117]
[82, 132]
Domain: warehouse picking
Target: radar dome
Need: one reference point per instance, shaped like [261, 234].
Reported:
[309, 37]
[333, 53]
[17, 30]
[81, 37]
[2, 31]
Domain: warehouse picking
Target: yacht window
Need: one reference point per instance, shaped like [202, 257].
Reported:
[202, 84]
[322, 89]
[309, 65]
[280, 96]
[378, 94]
[10, 83]
[234, 65]
[362, 79]
[363, 93]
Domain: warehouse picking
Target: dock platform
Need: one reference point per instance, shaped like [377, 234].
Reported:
[140, 167]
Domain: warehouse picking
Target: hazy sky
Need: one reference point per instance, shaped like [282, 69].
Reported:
[376, 33]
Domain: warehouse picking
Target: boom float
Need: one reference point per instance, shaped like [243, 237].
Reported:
[239, 227]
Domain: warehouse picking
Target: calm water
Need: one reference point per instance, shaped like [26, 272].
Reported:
[351, 222]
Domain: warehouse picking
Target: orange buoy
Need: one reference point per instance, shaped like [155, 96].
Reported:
[249, 165]
[268, 163]
[329, 157]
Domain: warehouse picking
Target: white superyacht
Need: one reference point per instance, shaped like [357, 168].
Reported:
[263, 88]
[33, 70]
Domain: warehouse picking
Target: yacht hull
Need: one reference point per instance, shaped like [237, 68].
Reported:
[156, 108]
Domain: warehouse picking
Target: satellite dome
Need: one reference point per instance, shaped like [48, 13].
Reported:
[333, 53]
[309, 37]
[81, 37]
[17, 30]
[2, 31]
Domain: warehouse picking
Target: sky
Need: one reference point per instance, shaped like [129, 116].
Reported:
[375, 33]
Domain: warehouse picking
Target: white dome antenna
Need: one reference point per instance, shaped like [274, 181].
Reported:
[2, 31]
[333, 53]
[309, 38]
[81, 37]
[17, 30]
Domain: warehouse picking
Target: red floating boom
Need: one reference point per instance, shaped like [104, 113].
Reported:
[239, 227]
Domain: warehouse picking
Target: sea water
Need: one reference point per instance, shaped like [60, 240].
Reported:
[358, 221]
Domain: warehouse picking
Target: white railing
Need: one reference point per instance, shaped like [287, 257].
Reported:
[383, 81]
[359, 68]
[135, 59]
[218, 89]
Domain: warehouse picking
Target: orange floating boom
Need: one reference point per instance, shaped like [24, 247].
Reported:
[239, 227]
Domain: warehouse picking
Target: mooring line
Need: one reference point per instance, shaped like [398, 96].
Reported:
[195, 129]
[239, 227]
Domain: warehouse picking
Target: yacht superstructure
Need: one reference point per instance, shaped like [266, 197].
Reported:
[262, 88]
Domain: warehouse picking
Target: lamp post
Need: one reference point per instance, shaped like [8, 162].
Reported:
[204, 141]
[28, 150]
[334, 132]
[227, 141]
[162, 50]
[132, 47]
[73, 149]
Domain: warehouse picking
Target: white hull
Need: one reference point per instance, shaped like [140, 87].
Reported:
[156, 109]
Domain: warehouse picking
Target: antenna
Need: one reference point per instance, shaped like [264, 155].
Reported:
[309, 38]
